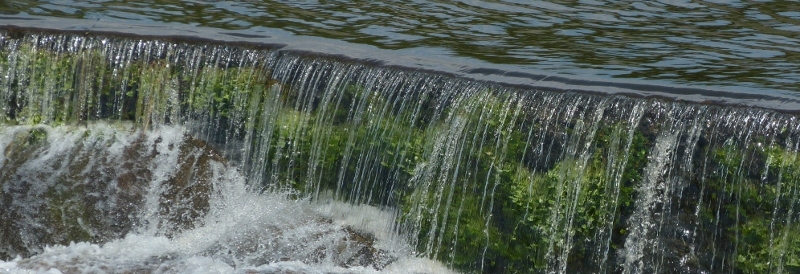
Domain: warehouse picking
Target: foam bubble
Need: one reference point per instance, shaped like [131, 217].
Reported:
[243, 231]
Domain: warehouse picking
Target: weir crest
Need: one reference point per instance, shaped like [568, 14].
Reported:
[479, 176]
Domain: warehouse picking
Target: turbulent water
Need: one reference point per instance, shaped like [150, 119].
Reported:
[84, 171]
[165, 155]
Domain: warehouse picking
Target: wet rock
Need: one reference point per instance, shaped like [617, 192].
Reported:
[366, 255]
[310, 242]
[341, 247]
[90, 185]
[186, 194]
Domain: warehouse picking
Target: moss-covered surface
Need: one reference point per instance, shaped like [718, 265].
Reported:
[538, 212]
[753, 212]
[484, 179]
[45, 84]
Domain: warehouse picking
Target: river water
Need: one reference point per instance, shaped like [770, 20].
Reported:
[747, 45]
[371, 153]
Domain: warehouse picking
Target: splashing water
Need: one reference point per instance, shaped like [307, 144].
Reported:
[242, 231]
[173, 155]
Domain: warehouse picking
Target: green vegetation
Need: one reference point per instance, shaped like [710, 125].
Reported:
[483, 179]
[758, 210]
[58, 88]
[538, 216]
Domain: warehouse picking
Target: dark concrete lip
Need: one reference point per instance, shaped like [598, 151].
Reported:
[417, 59]
[17, 18]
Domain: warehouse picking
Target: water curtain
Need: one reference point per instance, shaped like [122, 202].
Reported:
[480, 176]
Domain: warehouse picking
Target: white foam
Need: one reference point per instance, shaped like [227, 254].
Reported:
[243, 231]
[365, 219]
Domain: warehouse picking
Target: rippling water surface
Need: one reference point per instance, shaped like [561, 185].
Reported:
[427, 167]
[747, 44]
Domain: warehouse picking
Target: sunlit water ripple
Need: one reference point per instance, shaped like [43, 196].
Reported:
[748, 45]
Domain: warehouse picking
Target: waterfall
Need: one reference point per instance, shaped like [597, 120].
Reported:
[479, 176]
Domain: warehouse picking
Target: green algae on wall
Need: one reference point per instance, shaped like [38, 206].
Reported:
[483, 178]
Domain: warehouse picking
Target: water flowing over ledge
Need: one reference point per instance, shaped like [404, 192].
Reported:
[480, 176]
[429, 59]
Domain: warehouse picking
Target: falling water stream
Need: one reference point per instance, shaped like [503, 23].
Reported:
[125, 154]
